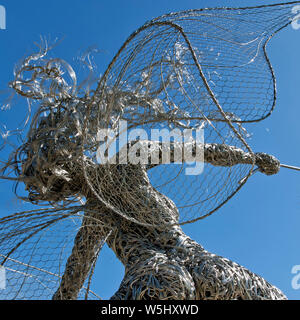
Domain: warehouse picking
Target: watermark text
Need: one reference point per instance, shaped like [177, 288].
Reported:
[152, 147]
[2, 278]
[2, 18]
[296, 279]
[296, 20]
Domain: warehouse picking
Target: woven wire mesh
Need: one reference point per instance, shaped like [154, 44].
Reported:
[204, 68]
[34, 248]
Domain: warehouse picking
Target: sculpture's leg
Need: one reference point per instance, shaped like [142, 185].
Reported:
[80, 261]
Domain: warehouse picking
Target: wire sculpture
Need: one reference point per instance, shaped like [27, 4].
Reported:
[203, 69]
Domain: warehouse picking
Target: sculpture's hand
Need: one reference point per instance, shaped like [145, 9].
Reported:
[266, 163]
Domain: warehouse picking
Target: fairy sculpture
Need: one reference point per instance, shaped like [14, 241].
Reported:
[195, 70]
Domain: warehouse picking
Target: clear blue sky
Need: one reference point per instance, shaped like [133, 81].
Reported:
[259, 227]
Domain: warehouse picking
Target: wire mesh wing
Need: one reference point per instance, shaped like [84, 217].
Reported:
[200, 68]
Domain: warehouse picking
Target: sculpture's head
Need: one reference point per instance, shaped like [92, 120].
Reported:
[49, 161]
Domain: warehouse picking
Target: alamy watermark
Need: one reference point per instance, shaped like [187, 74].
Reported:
[296, 279]
[2, 18]
[296, 20]
[2, 278]
[152, 147]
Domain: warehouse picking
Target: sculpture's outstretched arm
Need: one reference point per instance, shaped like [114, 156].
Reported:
[215, 154]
